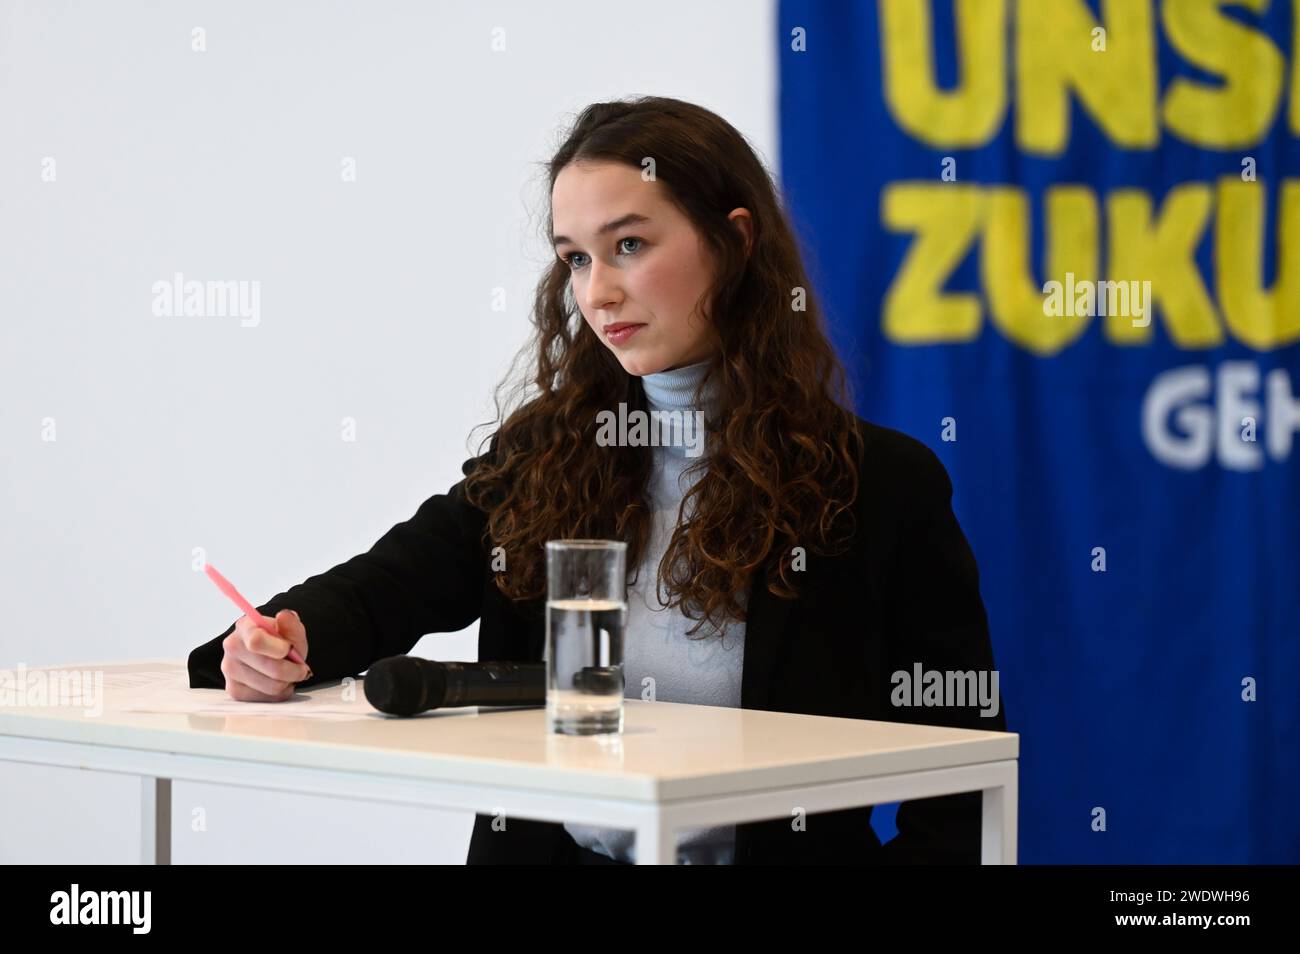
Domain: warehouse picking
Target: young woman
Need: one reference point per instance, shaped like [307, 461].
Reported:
[795, 565]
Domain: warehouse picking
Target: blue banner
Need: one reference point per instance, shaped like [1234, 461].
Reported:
[1059, 242]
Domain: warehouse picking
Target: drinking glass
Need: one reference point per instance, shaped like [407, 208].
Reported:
[586, 611]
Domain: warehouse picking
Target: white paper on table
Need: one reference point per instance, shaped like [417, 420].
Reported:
[175, 696]
[137, 680]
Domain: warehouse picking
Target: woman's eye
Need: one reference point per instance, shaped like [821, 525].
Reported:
[569, 259]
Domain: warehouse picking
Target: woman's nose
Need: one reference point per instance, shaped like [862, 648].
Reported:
[602, 285]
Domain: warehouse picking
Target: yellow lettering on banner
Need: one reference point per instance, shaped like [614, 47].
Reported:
[1054, 57]
[1165, 254]
[945, 218]
[1240, 110]
[1295, 68]
[966, 116]
[1015, 299]
[1258, 317]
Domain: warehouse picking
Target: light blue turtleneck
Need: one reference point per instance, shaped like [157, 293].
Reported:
[704, 669]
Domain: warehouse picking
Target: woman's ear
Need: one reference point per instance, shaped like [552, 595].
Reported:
[745, 222]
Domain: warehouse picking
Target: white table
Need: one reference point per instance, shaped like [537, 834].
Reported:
[674, 767]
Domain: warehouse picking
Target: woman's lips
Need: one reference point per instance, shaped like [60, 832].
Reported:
[619, 333]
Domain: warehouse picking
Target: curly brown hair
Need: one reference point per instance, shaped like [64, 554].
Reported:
[782, 448]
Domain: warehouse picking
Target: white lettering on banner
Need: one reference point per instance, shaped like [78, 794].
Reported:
[1183, 429]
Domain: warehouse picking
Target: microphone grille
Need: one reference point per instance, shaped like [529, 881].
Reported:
[405, 685]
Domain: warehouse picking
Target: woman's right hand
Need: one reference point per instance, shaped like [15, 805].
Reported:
[256, 663]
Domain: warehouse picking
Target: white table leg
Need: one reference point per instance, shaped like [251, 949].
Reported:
[656, 842]
[155, 821]
[998, 831]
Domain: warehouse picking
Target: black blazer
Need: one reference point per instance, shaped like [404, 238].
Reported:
[906, 592]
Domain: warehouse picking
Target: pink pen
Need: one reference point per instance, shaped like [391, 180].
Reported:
[225, 586]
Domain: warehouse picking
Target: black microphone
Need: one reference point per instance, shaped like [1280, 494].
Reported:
[406, 685]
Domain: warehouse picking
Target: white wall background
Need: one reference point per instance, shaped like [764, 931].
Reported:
[171, 433]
